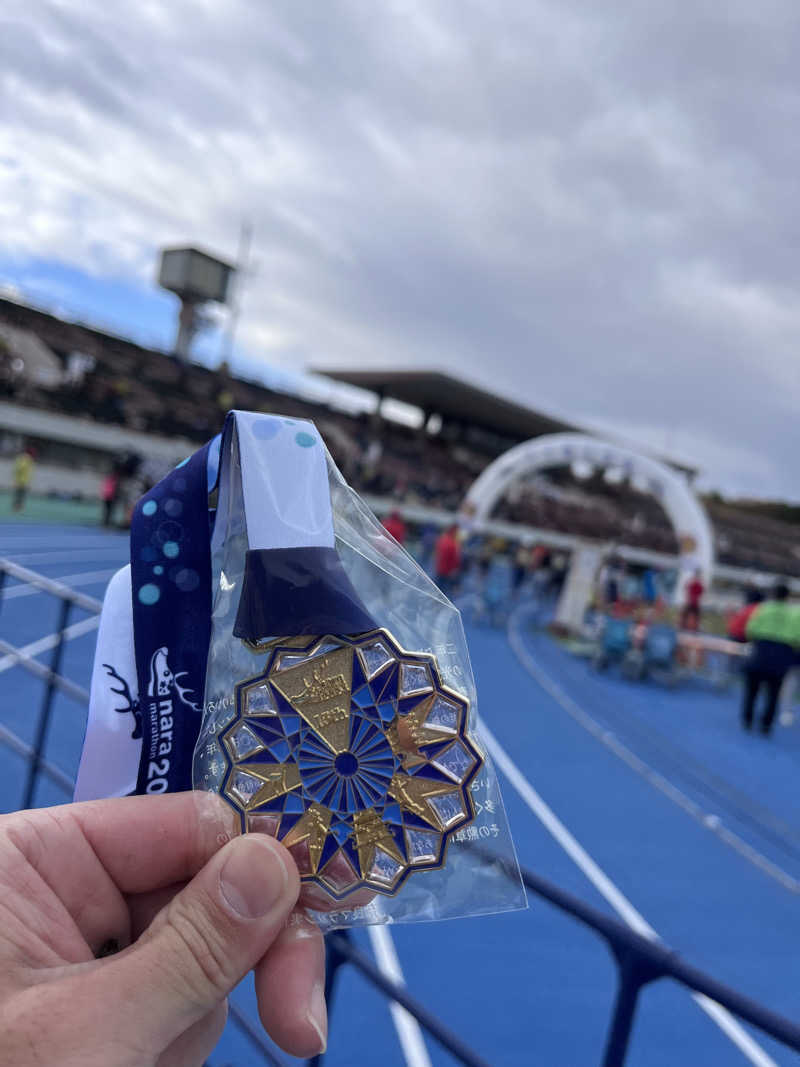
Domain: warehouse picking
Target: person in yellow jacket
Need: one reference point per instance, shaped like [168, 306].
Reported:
[23, 472]
[774, 631]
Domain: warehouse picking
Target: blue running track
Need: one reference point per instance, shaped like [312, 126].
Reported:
[695, 826]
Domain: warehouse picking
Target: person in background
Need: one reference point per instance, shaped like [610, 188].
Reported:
[540, 565]
[609, 580]
[485, 555]
[690, 615]
[23, 473]
[649, 586]
[109, 491]
[639, 631]
[539, 557]
[774, 630]
[559, 572]
[447, 560]
[395, 526]
[522, 558]
[737, 624]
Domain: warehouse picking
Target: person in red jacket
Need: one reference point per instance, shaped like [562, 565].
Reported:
[109, 493]
[690, 616]
[737, 624]
[447, 559]
[396, 527]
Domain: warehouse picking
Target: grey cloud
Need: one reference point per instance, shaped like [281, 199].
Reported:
[591, 209]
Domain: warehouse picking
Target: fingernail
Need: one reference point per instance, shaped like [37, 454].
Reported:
[318, 1015]
[253, 878]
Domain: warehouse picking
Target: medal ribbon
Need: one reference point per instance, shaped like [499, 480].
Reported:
[171, 590]
[294, 582]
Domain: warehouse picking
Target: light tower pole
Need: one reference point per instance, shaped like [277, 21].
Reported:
[197, 279]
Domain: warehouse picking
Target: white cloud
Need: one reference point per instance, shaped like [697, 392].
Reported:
[588, 209]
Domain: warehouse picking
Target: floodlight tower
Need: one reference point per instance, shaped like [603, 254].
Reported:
[197, 279]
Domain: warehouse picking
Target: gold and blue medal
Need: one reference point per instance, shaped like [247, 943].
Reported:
[354, 754]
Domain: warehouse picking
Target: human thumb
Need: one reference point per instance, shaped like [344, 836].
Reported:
[206, 939]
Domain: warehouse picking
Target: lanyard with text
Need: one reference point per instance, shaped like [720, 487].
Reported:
[171, 589]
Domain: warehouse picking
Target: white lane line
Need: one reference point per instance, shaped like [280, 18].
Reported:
[576, 852]
[72, 556]
[408, 1030]
[84, 578]
[708, 820]
[31, 544]
[77, 629]
[61, 535]
[618, 901]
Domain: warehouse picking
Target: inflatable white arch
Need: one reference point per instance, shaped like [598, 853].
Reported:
[671, 490]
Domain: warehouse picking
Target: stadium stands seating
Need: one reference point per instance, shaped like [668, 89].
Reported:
[113, 380]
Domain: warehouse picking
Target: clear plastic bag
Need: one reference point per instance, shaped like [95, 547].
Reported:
[398, 806]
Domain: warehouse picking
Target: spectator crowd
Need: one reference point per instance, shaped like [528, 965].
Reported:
[92, 374]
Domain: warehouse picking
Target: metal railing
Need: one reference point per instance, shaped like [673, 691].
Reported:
[639, 961]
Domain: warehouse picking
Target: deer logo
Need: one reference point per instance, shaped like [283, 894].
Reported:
[163, 684]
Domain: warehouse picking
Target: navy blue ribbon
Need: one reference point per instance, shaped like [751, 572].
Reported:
[287, 592]
[171, 583]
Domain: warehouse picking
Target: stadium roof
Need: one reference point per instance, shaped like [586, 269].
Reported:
[453, 398]
[458, 400]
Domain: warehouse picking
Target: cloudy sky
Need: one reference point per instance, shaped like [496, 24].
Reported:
[590, 206]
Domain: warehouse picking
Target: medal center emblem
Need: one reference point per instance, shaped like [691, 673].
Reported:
[353, 779]
[346, 764]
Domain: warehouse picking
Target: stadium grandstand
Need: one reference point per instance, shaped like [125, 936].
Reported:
[82, 398]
